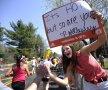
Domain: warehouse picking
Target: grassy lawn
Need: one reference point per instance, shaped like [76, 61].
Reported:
[106, 62]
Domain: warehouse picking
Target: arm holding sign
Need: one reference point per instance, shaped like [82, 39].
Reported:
[101, 34]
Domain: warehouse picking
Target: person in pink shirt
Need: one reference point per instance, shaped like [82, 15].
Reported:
[82, 62]
[19, 72]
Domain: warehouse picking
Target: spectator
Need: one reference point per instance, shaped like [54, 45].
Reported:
[34, 64]
[101, 59]
[82, 62]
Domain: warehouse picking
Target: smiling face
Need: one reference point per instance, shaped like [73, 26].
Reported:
[67, 51]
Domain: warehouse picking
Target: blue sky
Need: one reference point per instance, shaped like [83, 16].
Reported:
[27, 11]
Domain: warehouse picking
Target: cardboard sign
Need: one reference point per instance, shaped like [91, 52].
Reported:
[70, 23]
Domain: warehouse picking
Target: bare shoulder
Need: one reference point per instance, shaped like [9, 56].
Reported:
[85, 50]
[25, 65]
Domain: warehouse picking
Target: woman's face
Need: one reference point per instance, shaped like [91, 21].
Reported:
[67, 51]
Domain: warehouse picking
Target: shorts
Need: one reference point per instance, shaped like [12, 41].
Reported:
[33, 65]
[45, 79]
[18, 85]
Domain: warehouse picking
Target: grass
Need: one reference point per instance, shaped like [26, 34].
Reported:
[106, 62]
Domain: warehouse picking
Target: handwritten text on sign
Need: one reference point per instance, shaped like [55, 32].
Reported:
[69, 20]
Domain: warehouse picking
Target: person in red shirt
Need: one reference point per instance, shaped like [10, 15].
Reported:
[19, 72]
[82, 62]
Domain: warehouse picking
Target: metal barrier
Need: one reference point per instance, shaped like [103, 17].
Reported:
[78, 81]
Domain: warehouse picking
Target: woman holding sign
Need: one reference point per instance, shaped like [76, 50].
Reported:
[81, 61]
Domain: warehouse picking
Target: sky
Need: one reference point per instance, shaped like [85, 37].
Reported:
[27, 11]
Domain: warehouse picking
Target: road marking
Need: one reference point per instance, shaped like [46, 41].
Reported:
[8, 83]
[6, 78]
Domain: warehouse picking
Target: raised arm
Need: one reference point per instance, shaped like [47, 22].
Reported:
[101, 38]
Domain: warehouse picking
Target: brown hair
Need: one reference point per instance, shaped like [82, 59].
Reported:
[18, 59]
[66, 61]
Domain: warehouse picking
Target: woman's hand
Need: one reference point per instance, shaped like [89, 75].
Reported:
[95, 14]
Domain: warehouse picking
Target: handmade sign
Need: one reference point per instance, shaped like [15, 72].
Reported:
[70, 23]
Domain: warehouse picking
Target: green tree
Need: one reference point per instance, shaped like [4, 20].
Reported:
[1, 33]
[2, 51]
[22, 37]
[40, 46]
